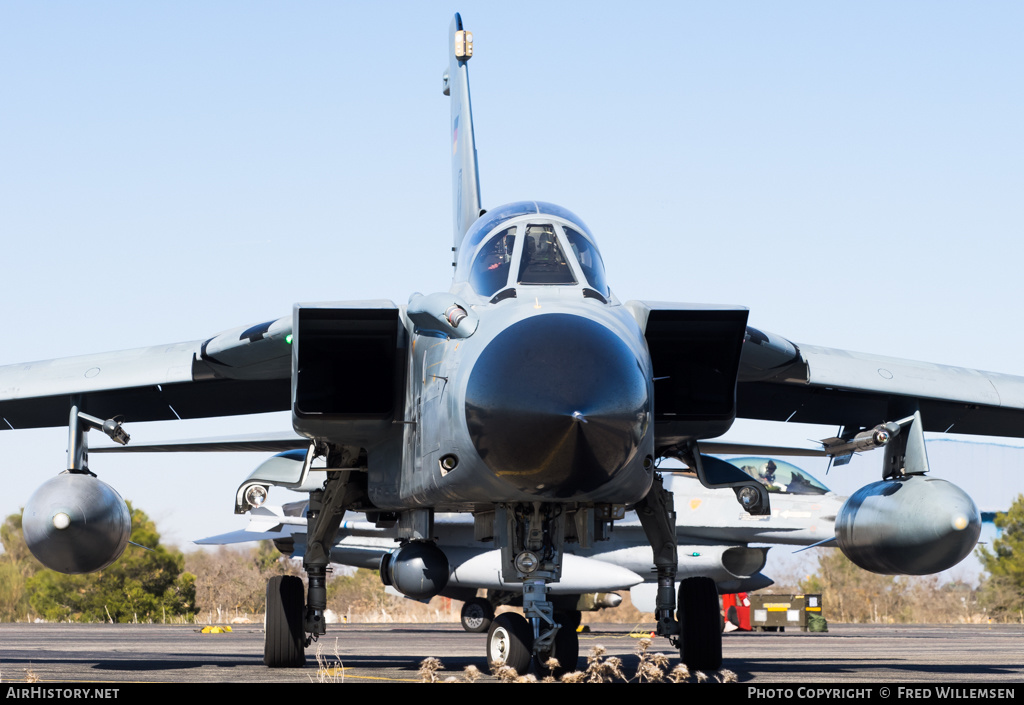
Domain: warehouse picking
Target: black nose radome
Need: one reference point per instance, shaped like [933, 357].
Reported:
[557, 404]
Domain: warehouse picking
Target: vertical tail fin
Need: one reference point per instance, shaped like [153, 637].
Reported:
[465, 176]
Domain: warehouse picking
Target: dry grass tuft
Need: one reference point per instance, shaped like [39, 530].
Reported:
[551, 667]
[601, 669]
[505, 674]
[679, 674]
[726, 676]
[651, 667]
[328, 671]
[429, 668]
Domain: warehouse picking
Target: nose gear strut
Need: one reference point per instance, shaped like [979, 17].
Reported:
[532, 538]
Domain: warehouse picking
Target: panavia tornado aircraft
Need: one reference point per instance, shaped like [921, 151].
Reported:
[713, 536]
[529, 398]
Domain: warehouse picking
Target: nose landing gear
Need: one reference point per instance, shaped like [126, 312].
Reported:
[532, 537]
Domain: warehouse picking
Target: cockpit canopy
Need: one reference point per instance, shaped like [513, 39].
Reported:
[779, 476]
[530, 243]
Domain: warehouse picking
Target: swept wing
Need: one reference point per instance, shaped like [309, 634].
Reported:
[784, 381]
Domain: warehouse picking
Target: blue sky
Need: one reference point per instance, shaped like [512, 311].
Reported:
[851, 172]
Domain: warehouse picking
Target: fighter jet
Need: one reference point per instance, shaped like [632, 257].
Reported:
[528, 397]
[713, 536]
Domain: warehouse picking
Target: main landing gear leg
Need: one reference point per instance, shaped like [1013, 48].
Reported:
[700, 646]
[288, 620]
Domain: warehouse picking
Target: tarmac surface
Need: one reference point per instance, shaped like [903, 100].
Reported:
[391, 653]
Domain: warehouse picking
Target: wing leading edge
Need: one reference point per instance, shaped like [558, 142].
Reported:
[241, 371]
[783, 381]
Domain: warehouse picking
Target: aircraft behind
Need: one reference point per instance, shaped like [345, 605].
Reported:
[714, 538]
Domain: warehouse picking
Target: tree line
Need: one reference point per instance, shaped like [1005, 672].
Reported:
[163, 584]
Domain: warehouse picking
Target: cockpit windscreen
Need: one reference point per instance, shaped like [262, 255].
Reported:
[538, 250]
[543, 261]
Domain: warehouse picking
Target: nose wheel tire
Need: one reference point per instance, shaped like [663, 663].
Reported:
[700, 629]
[566, 649]
[477, 615]
[510, 642]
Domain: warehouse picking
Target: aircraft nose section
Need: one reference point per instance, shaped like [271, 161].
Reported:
[557, 404]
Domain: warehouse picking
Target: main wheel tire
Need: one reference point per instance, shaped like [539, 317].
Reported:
[477, 615]
[284, 644]
[700, 632]
[510, 641]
